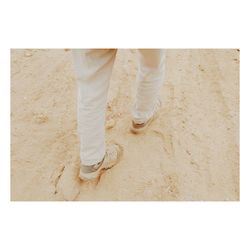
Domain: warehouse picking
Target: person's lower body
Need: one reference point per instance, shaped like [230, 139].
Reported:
[93, 70]
[150, 77]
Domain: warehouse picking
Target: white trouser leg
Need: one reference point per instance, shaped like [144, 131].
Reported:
[93, 70]
[150, 77]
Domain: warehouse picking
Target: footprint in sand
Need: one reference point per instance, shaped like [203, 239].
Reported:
[166, 140]
[67, 182]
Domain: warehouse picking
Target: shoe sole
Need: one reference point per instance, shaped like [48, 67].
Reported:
[95, 175]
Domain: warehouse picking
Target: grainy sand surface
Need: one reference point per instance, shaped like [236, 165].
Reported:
[190, 153]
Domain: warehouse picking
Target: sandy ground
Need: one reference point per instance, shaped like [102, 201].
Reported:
[190, 153]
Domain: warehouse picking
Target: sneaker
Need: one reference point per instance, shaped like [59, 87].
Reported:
[138, 128]
[111, 158]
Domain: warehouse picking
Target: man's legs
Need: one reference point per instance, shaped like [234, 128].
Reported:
[150, 78]
[93, 70]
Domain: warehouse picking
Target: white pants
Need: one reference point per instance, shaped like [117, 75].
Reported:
[93, 70]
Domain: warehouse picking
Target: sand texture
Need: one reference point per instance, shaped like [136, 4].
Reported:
[191, 152]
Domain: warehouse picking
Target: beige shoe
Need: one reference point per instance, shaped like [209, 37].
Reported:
[138, 128]
[111, 158]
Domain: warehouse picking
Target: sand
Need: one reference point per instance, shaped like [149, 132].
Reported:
[190, 153]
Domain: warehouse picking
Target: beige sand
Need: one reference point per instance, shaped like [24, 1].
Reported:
[190, 153]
